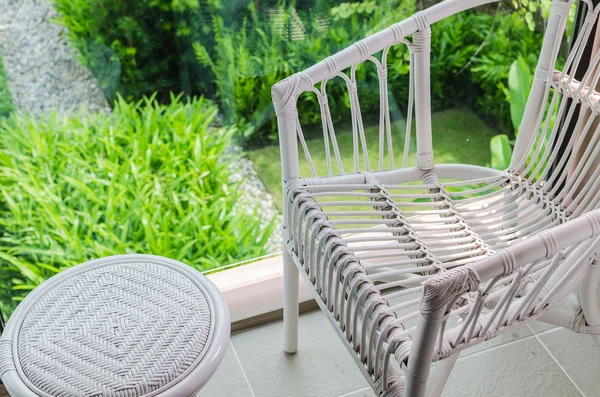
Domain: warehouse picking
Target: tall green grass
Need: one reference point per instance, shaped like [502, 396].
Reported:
[147, 178]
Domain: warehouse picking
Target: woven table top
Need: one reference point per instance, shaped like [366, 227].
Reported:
[125, 329]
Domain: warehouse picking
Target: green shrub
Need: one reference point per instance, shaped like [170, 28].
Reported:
[234, 52]
[134, 47]
[147, 178]
[471, 56]
[247, 61]
[6, 105]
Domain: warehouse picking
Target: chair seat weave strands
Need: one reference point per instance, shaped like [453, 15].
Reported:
[131, 325]
[413, 264]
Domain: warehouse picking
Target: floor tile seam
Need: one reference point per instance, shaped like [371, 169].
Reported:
[242, 368]
[557, 363]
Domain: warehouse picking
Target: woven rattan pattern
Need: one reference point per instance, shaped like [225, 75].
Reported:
[119, 330]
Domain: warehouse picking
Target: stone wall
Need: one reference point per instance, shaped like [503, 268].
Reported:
[42, 67]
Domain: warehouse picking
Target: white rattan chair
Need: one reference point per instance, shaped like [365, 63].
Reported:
[414, 264]
[127, 325]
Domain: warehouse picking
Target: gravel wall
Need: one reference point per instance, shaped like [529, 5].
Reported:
[42, 68]
[256, 197]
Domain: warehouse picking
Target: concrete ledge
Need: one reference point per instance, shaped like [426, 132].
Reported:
[254, 292]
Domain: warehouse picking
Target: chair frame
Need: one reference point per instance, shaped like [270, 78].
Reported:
[578, 235]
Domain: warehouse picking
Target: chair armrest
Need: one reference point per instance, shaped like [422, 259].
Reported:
[544, 244]
[387, 37]
[446, 287]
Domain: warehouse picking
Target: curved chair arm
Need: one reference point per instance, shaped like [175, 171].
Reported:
[544, 244]
[440, 292]
[286, 92]
[387, 37]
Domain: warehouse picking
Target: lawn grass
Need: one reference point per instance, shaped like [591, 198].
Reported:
[459, 136]
[6, 105]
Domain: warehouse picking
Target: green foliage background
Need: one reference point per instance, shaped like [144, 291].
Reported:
[153, 176]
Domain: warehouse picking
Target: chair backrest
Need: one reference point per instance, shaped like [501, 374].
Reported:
[340, 70]
[546, 148]
[558, 142]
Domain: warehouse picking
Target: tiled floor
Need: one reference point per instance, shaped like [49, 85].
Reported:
[533, 361]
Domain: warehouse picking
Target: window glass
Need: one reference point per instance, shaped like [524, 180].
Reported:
[147, 126]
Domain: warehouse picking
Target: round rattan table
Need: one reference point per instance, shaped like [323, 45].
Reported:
[127, 325]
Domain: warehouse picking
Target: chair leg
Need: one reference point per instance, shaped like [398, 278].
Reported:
[443, 370]
[290, 303]
[419, 362]
[589, 297]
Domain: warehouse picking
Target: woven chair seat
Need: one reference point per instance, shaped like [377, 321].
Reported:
[413, 228]
[130, 325]
[382, 240]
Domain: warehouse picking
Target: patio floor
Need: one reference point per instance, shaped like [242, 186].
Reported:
[536, 360]
[533, 361]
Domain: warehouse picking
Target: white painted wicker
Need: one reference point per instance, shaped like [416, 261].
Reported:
[128, 325]
[414, 264]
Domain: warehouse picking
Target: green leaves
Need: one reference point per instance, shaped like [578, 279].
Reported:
[519, 85]
[203, 56]
[498, 40]
[501, 151]
[148, 39]
[148, 178]
[346, 10]
[527, 8]
[236, 52]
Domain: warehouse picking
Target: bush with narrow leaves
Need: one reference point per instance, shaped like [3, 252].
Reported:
[147, 178]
